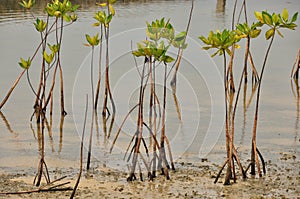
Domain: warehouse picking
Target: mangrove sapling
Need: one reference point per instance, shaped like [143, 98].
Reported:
[222, 41]
[105, 21]
[61, 11]
[160, 37]
[275, 22]
[167, 32]
[243, 30]
[92, 41]
[296, 66]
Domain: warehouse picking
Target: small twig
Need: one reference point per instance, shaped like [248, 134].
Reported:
[35, 191]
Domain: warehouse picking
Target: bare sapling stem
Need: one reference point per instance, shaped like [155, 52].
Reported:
[99, 68]
[63, 112]
[254, 153]
[228, 174]
[81, 151]
[139, 130]
[177, 63]
[93, 113]
[162, 153]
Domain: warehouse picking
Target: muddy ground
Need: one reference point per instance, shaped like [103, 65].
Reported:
[190, 180]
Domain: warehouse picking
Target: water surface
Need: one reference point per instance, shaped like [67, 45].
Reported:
[199, 79]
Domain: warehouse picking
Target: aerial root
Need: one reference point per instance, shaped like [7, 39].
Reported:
[233, 173]
[258, 154]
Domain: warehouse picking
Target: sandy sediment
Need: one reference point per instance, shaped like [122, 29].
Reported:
[190, 180]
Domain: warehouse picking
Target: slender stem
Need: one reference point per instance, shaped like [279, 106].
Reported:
[93, 113]
[254, 132]
[81, 151]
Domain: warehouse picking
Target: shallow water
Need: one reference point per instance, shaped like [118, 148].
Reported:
[199, 85]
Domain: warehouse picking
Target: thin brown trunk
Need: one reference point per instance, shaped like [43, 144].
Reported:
[81, 152]
[228, 138]
[254, 155]
[99, 69]
[173, 80]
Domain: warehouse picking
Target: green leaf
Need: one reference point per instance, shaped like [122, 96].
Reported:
[184, 46]
[255, 33]
[40, 25]
[181, 36]
[111, 9]
[215, 53]
[27, 4]
[206, 47]
[48, 58]
[96, 24]
[285, 15]
[168, 59]
[294, 18]
[73, 17]
[290, 26]
[54, 49]
[108, 20]
[279, 33]
[137, 53]
[93, 41]
[25, 64]
[267, 18]
[204, 40]
[269, 33]
[228, 51]
[276, 19]
[258, 16]
[240, 27]
[66, 18]
[101, 4]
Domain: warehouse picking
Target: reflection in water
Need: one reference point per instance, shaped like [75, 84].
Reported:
[220, 12]
[11, 11]
[220, 8]
[49, 128]
[296, 66]
[6, 122]
[61, 127]
[246, 104]
[296, 92]
[295, 81]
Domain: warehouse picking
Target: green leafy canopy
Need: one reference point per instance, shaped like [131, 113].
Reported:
[161, 35]
[276, 21]
[220, 40]
[92, 41]
[63, 9]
